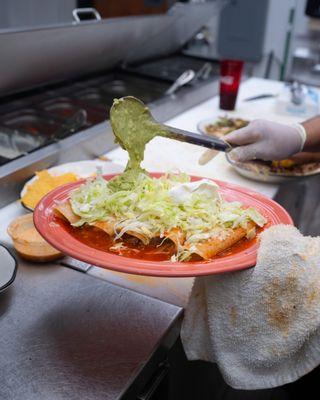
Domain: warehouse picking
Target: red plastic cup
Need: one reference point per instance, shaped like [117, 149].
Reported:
[230, 75]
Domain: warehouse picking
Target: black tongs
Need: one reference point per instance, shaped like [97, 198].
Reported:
[135, 113]
[210, 142]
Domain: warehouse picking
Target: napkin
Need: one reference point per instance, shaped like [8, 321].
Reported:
[261, 325]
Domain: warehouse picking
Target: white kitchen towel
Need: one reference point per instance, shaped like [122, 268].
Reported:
[262, 325]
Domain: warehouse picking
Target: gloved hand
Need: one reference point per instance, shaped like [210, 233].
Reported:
[266, 140]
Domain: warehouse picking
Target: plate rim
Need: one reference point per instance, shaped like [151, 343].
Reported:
[272, 174]
[153, 268]
[14, 275]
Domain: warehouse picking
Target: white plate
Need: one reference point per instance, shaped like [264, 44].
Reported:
[264, 176]
[210, 121]
[83, 169]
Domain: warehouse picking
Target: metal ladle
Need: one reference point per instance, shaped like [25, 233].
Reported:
[182, 80]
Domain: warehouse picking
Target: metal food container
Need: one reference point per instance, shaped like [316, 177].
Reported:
[35, 56]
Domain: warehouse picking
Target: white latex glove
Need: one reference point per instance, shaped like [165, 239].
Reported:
[266, 140]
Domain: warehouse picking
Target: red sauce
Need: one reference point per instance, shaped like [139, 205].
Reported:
[134, 248]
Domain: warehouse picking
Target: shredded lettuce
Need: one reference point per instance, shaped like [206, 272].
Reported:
[88, 200]
[145, 206]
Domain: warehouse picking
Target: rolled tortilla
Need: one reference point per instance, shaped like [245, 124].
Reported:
[206, 249]
[65, 211]
[176, 236]
[211, 247]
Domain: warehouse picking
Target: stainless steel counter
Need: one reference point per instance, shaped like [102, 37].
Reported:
[65, 335]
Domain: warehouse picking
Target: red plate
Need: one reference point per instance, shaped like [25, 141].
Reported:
[54, 232]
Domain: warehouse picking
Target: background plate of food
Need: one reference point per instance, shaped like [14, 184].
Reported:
[221, 125]
[46, 180]
[99, 243]
[300, 166]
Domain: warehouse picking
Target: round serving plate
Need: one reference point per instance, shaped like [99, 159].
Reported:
[54, 232]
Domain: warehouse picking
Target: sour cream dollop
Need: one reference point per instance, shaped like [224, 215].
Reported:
[183, 192]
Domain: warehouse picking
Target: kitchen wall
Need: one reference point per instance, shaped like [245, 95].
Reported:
[277, 47]
[275, 38]
[279, 31]
[305, 48]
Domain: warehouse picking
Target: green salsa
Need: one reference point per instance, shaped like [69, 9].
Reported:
[133, 127]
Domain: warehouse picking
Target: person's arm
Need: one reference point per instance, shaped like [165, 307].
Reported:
[312, 127]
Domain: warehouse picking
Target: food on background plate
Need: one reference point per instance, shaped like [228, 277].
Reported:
[285, 164]
[298, 166]
[42, 185]
[166, 218]
[28, 243]
[225, 125]
[290, 167]
[301, 163]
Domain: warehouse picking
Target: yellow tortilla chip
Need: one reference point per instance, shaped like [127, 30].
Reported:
[44, 183]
